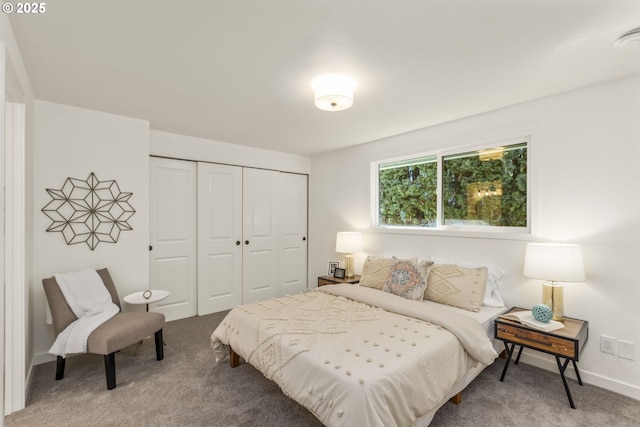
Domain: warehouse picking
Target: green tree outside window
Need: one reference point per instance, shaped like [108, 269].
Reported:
[479, 188]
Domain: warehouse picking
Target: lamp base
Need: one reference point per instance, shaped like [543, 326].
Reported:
[348, 265]
[553, 296]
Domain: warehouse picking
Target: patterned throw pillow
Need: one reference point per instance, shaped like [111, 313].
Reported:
[408, 278]
[457, 286]
[375, 272]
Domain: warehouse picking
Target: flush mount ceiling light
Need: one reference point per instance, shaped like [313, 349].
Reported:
[628, 39]
[333, 92]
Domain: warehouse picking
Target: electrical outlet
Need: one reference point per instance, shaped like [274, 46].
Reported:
[607, 344]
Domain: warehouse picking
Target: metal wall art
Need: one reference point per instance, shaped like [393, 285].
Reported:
[90, 211]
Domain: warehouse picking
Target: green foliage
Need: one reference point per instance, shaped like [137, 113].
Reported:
[508, 174]
[407, 193]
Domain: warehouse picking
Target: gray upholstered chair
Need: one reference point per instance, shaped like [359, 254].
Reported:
[119, 332]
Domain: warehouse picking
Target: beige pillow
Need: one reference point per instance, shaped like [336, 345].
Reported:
[375, 272]
[457, 286]
[408, 278]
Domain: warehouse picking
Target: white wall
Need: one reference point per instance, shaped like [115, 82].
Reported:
[19, 328]
[73, 142]
[585, 147]
[191, 148]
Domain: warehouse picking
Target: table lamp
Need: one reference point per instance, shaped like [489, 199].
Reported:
[554, 262]
[349, 243]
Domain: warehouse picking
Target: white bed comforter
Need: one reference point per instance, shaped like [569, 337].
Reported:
[356, 356]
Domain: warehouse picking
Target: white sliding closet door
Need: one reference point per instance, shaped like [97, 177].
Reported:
[219, 237]
[260, 235]
[293, 233]
[172, 255]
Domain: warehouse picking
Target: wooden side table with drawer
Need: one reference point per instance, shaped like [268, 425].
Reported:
[565, 343]
[330, 280]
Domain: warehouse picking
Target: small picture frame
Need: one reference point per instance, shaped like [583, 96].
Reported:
[339, 273]
[332, 267]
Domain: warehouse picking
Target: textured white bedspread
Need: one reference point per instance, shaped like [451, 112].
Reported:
[353, 363]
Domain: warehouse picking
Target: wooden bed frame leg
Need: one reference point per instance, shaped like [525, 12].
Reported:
[457, 399]
[234, 359]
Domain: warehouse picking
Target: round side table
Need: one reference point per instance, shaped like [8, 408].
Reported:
[145, 297]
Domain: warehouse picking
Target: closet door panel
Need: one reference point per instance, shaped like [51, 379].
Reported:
[260, 235]
[293, 233]
[172, 256]
[219, 237]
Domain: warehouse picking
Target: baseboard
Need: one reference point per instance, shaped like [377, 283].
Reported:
[28, 382]
[44, 358]
[547, 363]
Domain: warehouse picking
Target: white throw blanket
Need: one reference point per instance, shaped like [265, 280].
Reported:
[91, 302]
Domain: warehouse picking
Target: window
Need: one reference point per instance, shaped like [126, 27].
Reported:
[408, 192]
[483, 190]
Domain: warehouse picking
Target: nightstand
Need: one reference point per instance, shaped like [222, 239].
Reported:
[565, 344]
[330, 280]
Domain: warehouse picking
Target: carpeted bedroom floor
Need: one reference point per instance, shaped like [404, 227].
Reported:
[188, 389]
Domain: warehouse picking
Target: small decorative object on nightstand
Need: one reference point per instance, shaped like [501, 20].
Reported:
[542, 312]
[565, 343]
[339, 273]
[329, 280]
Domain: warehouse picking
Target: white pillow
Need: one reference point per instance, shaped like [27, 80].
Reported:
[492, 297]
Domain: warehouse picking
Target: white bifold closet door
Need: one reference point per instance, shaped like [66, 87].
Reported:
[225, 235]
[293, 233]
[260, 279]
[172, 255]
[219, 237]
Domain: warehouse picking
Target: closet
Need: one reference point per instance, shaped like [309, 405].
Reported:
[225, 235]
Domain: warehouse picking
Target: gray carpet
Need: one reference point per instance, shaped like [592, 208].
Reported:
[188, 389]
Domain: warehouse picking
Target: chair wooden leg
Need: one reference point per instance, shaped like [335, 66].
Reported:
[110, 370]
[60, 361]
[159, 346]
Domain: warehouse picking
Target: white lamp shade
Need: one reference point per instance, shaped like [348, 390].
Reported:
[349, 242]
[333, 92]
[555, 262]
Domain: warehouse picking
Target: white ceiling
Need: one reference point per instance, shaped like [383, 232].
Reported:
[240, 71]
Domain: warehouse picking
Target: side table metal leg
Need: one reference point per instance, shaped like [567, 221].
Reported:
[519, 354]
[506, 363]
[575, 366]
[562, 367]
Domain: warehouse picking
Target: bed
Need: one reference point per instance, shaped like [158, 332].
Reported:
[355, 355]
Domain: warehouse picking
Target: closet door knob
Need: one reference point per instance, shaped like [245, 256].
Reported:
[238, 242]
[304, 238]
[150, 247]
[246, 242]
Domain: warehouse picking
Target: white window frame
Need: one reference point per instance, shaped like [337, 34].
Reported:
[460, 230]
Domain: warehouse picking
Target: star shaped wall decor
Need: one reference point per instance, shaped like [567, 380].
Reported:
[90, 211]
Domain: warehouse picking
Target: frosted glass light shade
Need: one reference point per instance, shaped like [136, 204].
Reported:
[555, 262]
[628, 39]
[333, 92]
[349, 242]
